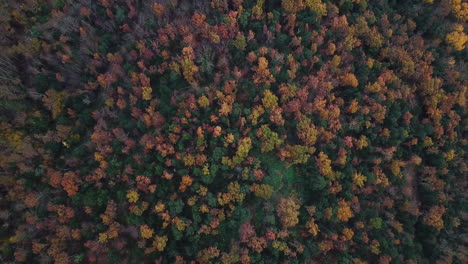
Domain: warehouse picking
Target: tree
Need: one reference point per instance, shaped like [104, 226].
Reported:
[269, 139]
[288, 212]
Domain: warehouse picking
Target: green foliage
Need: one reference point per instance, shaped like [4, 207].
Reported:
[278, 176]
[376, 222]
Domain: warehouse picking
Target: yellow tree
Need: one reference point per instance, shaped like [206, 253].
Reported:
[288, 212]
[306, 131]
[243, 149]
[269, 139]
[344, 212]
[324, 165]
[262, 73]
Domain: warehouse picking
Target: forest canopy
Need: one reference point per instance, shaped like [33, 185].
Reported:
[233, 131]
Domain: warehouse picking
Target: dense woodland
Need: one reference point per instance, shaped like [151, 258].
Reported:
[233, 131]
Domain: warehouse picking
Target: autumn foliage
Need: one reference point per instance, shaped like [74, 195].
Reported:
[243, 131]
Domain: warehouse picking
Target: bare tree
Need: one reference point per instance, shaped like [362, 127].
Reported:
[9, 77]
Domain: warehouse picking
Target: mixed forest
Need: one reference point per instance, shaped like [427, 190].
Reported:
[233, 131]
